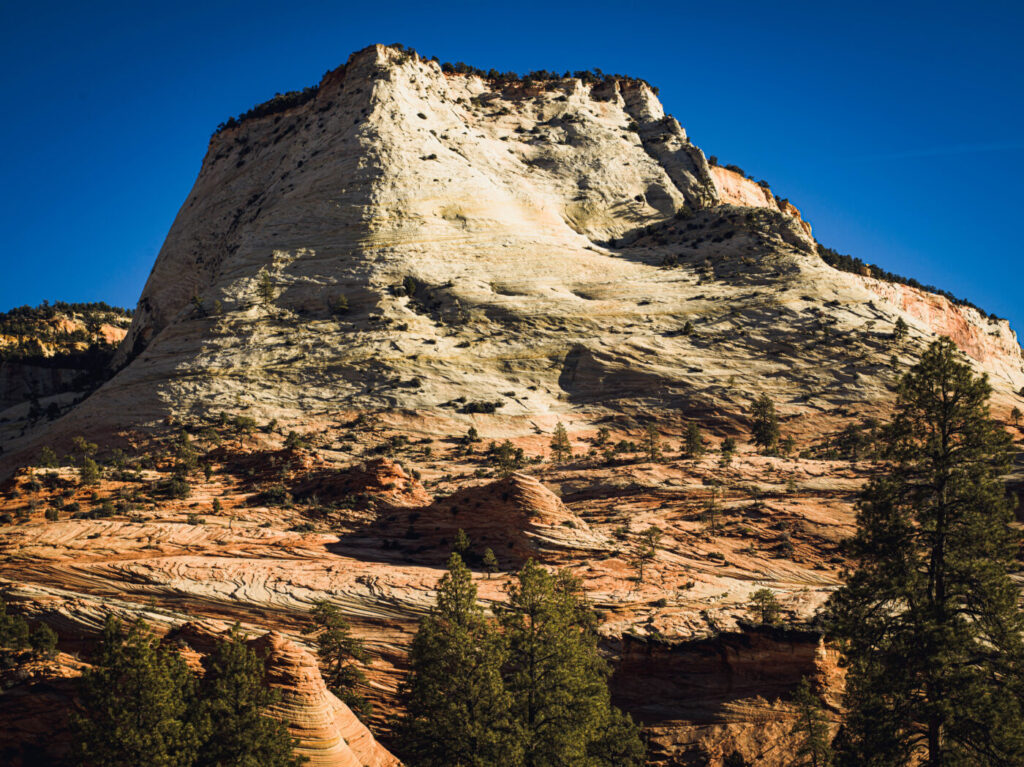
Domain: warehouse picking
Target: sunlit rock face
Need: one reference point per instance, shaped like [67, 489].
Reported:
[408, 237]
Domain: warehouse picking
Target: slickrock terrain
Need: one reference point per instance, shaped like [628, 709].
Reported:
[369, 315]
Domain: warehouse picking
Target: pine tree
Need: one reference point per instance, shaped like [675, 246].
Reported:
[899, 331]
[646, 550]
[560, 699]
[457, 709]
[490, 562]
[765, 607]
[811, 729]
[561, 448]
[765, 424]
[652, 443]
[929, 622]
[694, 440]
[266, 290]
[14, 632]
[462, 543]
[43, 641]
[728, 451]
[233, 697]
[341, 655]
[136, 701]
[1015, 416]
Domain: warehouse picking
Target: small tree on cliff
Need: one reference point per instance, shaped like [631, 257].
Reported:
[561, 448]
[652, 443]
[765, 424]
[646, 550]
[899, 331]
[694, 441]
[929, 622]
[1015, 416]
[457, 708]
[811, 729]
[341, 655]
[561, 706]
[266, 290]
[765, 607]
[233, 697]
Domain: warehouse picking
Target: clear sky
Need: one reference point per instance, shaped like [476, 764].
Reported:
[896, 127]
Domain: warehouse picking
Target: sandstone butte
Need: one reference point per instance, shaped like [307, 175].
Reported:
[411, 253]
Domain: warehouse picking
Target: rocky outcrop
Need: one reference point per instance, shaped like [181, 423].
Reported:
[723, 695]
[329, 734]
[380, 478]
[736, 189]
[517, 517]
[437, 243]
[989, 341]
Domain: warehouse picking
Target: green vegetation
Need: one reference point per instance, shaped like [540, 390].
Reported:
[141, 704]
[341, 656]
[652, 443]
[506, 457]
[694, 440]
[856, 266]
[457, 709]
[812, 731]
[646, 550]
[561, 448]
[765, 424]
[765, 607]
[929, 622]
[527, 690]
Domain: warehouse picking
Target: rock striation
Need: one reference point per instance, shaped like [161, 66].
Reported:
[419, 240]
[329, 734]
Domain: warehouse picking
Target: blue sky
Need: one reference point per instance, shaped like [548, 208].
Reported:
[896, 127]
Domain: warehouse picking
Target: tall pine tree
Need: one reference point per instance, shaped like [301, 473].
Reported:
[341, 656]
[136, 704]
[561, 705]
[929, 622]
[233, 697]
[457, 709]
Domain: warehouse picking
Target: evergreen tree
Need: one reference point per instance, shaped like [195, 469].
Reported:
[490, 562]
[561, 448]
[694, 440]
[462, 544]
[266, 290]
[811, 729]
[136, 702]
[652, 443]
[560, 700]
[457, 709]
[341, 655]
[14, 633]
[646, 550]
[765, 424]
[43, 641]
[929, 621]
[765, 607]
[233, 696]
[899, 331]
[1015, 416]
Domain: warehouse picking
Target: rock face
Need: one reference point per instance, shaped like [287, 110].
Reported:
[329, 734]
[408, 238]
